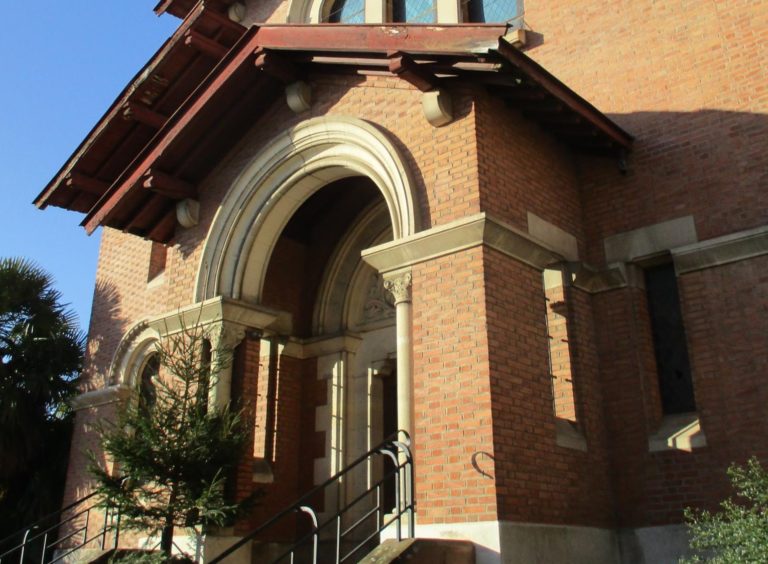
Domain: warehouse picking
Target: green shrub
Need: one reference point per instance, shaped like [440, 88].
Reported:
[738, 533]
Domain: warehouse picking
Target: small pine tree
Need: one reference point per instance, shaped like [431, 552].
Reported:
[739, 532]
[172, 450]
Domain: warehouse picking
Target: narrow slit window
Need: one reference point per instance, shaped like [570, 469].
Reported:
[559, 347]
[672, 363]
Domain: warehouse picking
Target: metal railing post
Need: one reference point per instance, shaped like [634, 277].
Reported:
[24, 544]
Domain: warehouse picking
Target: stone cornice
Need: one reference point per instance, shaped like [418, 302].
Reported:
[466, 233]
[219, 310]
[100, 397]
[721, 250]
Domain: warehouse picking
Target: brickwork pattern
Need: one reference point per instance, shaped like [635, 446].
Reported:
[455, 449]
[538, 481]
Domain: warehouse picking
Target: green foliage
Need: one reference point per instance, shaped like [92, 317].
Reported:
[739, 532]
[41, 352]
[173, 448]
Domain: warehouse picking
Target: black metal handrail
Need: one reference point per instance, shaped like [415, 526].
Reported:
[44, 533]
[401, 475]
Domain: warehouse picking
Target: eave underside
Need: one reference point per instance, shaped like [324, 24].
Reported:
[213, 80]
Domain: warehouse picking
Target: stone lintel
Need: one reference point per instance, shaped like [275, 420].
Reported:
[552, 237]
[100, 397]
[650, 240]
[465, 233]
[721, 250]
[214, 311]
[321, 346]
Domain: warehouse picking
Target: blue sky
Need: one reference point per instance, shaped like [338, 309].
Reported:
[62, 65]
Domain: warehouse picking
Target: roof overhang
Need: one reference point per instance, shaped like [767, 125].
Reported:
[213, 80]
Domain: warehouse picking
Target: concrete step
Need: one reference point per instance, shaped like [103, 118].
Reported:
[428, 551]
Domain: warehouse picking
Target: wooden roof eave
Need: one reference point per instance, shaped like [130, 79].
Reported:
[432, 43]
[550, 84]
[125, 97]
[239, 55]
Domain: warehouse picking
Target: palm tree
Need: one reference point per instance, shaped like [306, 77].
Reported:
[41, 354]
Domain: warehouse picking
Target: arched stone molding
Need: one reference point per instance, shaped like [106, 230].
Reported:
[306, 11]
[135, 347]
[291, 168]
[344, 286]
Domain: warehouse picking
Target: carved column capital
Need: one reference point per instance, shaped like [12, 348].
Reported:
[399, 286]
[226, 336]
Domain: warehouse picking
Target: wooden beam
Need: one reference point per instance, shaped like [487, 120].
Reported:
[147, 214]
[538, 106]
[204, 45]
[167, 185]
[403, 66]
[275, 65]
[164, 229]
[520, 92]
[88, 184]
[131, 178]
[538, 74]
[142, 114]
[444, 39]
[580, 130]
[550, 118]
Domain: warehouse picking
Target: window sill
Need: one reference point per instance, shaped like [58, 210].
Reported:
[678, 432]
[262, 471]
[568, 435]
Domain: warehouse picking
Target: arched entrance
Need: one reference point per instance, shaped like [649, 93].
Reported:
[289, 237]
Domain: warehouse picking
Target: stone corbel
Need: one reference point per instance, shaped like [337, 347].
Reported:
[298, 96]
[437, 106]
[100, 397]
[188, 212]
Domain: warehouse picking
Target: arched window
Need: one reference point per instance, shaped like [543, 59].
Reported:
[487, 11]
[147, 381]
[414, 11]
[347, 12]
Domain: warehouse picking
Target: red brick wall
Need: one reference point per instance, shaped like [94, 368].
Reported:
[539, 481]
[524, 169]
[687, 79]
[452, 394]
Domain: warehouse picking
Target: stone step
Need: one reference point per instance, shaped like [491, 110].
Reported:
[432, 551]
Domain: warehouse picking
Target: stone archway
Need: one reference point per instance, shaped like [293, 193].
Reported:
[290, 173]
[275, 184]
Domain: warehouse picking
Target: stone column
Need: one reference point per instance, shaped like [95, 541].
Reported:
[224, 338]
[399, 285]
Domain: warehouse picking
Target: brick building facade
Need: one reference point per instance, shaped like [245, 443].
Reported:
[570, 295]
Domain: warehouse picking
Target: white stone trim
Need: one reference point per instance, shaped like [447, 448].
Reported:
[278, 180]
[568, 435]
[437, 107]
[552, 237]
[650, 240]
[343, 278]
[721, 250]
[678, 432]
[459, 235]
[523, 543]
[100, 397]
[217, 310]
[136, 345]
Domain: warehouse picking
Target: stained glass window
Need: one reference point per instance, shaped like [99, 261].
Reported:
[347, 12]
[493, 10]
[414, 11]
